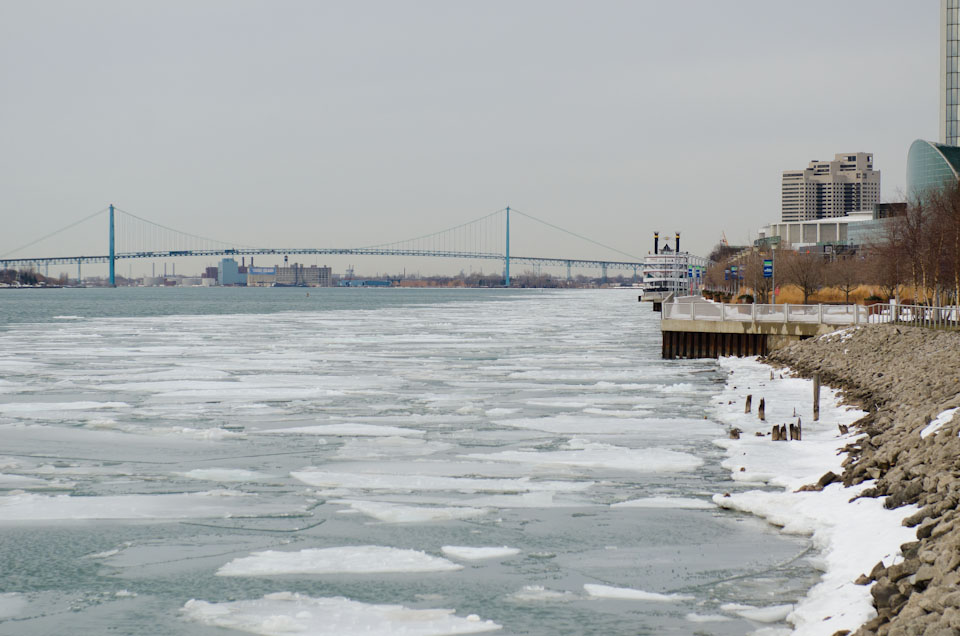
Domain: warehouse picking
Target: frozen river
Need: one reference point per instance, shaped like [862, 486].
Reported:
[201, 461]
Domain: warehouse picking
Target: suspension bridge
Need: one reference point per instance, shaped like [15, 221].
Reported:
[485, 238]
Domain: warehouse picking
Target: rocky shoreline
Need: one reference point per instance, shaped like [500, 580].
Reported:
[908, 380]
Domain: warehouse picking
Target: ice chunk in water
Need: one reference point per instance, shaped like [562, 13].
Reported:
[210, 504]
[688, 503]
[288, 613]
[11, 604]
[224, 474]
[593, 455]
[606, 591]
[363, 559]
[348, 430]
[397, 513]
[474, 554]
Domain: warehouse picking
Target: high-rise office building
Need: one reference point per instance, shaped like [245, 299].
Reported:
[827, 189]
[950, 72]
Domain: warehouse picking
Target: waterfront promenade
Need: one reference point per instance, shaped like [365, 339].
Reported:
[693, 327]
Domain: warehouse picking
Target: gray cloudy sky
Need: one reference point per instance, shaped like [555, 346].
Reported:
[340, 124]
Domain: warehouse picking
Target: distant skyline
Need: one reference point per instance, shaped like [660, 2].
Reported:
[308, 124]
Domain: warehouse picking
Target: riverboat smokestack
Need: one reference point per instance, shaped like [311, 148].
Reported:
[678, 243]
[656, 242]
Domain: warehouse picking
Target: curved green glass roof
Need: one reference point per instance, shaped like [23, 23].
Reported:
[931, 165]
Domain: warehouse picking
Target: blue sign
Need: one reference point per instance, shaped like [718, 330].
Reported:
[767, 268]
[726, 274]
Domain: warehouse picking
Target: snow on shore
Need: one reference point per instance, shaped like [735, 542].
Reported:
[851, 536]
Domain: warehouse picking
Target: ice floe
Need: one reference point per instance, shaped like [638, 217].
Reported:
[210, 504]
[625, 593]
[476, 554]
[398, 513]
[688, 503]
[539, 594]
[363, 559]
[586, 454]
[285, 613]
[224, 474]
[407, 482]
[348, 430]
[11, 604]
[770, 614]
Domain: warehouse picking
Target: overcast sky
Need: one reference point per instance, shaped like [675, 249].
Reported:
[339, 124]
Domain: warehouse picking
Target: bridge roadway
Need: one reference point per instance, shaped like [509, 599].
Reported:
[363, 251]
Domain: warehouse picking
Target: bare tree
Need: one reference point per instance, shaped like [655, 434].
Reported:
[941, 252]
[910, 233]
[752, 267]
[951, 230]
[846, 274]
[803, 269]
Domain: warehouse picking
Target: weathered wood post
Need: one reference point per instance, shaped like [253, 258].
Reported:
[816, 397]
[762, 411]
[747, 405]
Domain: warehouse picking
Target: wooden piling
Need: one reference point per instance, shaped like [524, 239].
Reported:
[816, 397]
[746, 407]
[762, 411]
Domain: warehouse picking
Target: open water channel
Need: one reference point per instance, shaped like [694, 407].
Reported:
[201, 461]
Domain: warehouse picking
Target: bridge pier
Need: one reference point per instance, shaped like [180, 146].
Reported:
[507, 251]
[113, 254]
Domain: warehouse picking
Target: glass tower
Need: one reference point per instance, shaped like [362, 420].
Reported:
[931, 165]
[949, 72]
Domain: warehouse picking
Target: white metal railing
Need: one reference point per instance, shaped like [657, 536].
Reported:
[917, 315]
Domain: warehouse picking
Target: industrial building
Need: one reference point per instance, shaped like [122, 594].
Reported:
[295, 275]
[299, 276]
[228, 273]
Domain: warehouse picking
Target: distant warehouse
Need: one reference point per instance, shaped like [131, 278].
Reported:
[294, 276]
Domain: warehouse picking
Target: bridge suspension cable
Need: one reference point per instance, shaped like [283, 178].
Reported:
[137, 234]
[54, 233]
[480, 238]
[579, 236]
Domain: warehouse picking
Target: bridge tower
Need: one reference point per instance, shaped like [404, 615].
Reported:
[507, 253]
[113, 254]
